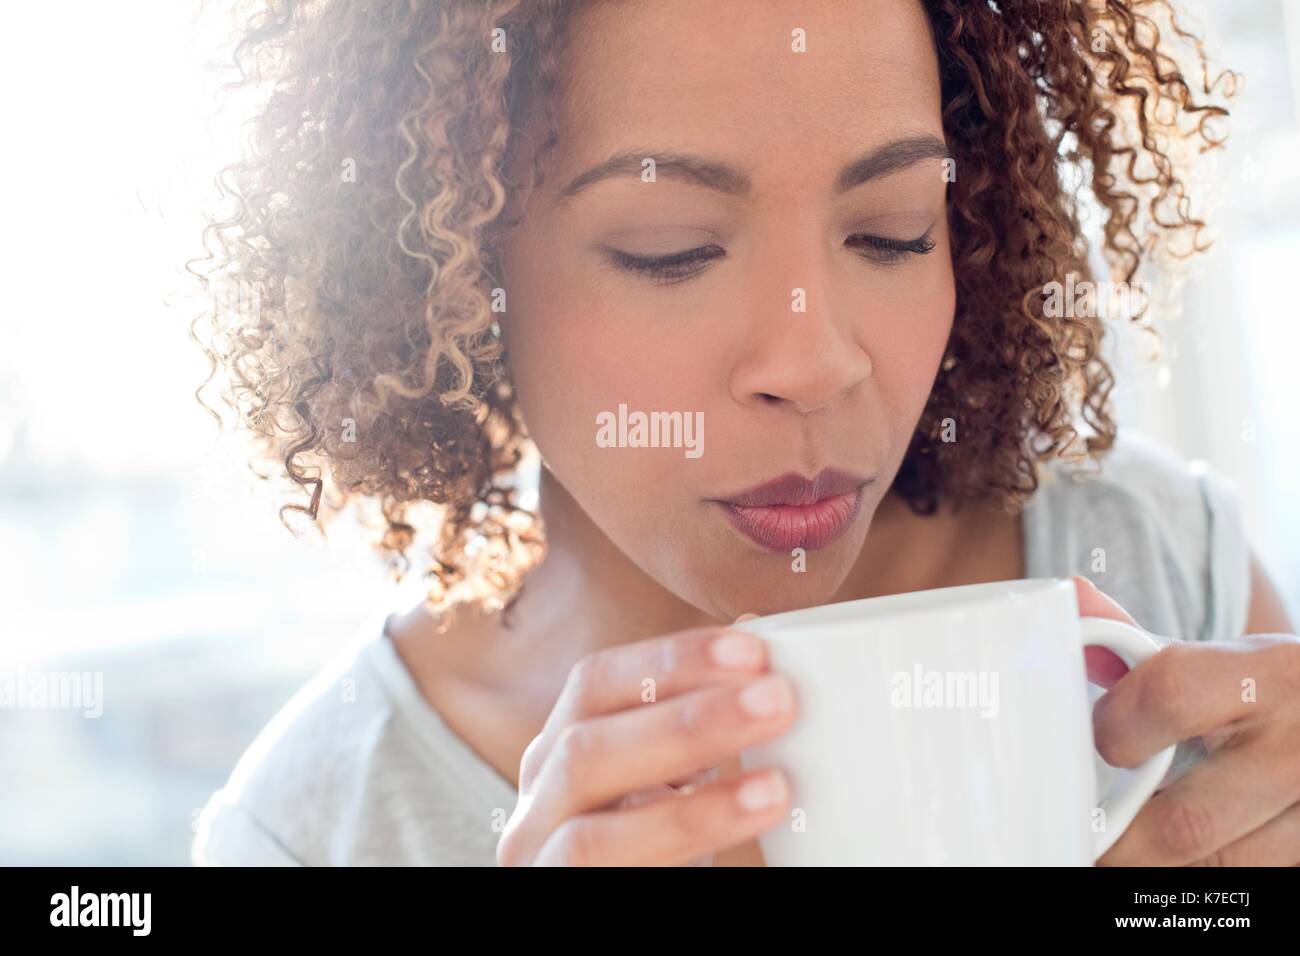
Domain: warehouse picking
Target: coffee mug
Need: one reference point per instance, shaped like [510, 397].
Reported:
[948, 727]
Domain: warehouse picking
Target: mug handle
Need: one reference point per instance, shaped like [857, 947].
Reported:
[1126, 798]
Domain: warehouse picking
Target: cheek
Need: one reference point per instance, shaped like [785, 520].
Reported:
[933, 307]
[906, 338]
[582, 344]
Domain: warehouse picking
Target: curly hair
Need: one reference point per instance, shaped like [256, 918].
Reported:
[361, 224]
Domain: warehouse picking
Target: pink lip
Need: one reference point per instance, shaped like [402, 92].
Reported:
[794, 512]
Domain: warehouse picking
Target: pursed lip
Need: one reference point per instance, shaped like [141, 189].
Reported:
[797, 512]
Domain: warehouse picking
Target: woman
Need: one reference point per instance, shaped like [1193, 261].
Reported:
[821, 236]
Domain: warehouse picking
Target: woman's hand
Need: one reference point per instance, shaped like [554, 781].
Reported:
[609, 738]
[1241, 805]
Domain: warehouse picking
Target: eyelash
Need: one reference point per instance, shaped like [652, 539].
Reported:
[668, 269]
[892, 250]
[679, 266]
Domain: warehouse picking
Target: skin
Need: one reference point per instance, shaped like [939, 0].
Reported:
[835, 386]
[554, 703]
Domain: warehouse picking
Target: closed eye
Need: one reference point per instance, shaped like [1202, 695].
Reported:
[885, 250]
[667, 269]
[679, 266]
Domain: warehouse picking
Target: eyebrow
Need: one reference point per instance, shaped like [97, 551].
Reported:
[722, 177]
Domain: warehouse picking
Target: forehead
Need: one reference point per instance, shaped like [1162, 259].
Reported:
[723, 75]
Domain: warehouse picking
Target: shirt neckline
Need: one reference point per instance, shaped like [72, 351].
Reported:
[429, 723]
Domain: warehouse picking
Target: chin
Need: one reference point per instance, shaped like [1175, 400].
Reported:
[742, 588]
[792, 597]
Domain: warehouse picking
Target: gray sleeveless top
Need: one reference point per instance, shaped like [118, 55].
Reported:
[358, 769]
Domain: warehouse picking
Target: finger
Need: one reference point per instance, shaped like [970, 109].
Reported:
[1185, 690]
[629, 675]
[1276, 843]
[674, 830]
[688, 783]
[1093, 602]
[1220, 800]
[599, 760]
[1104, 666]
[679, 788]
[685, 787]
[692, 781]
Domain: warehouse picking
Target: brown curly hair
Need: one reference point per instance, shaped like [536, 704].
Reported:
[362, 223]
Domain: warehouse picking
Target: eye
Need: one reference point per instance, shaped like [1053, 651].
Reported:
[671, 268]
[884, 250]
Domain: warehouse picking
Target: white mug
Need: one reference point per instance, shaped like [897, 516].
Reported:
[948, 727]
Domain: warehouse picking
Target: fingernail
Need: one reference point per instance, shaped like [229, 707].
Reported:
[736, 649]
[767, 697]
[760, 792]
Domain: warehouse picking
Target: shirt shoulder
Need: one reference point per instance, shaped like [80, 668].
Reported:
[349, 772]
[1160, 533]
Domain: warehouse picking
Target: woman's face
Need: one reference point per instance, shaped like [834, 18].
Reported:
[766, 278]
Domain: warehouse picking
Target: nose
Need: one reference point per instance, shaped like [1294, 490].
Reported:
[805, 360]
